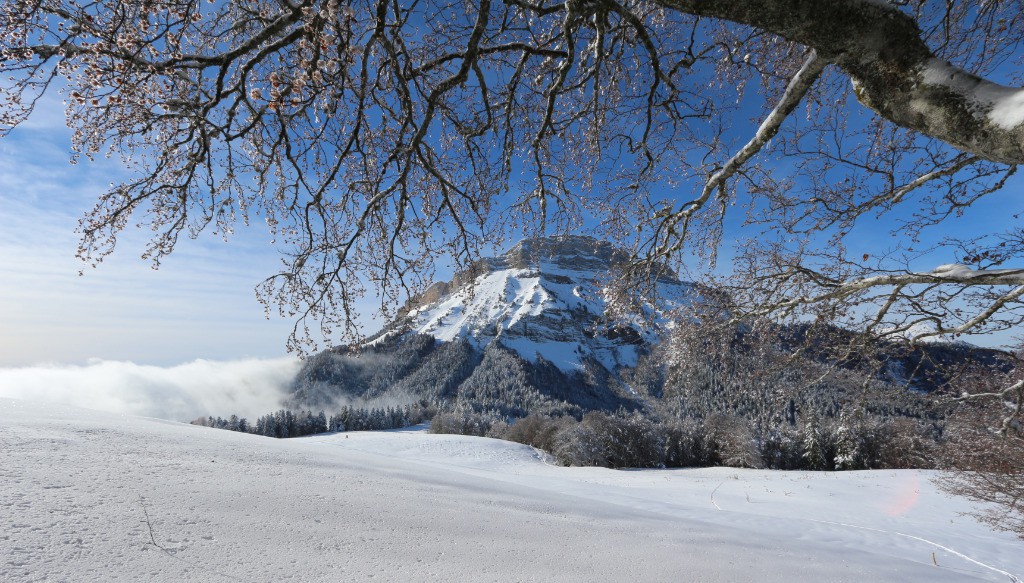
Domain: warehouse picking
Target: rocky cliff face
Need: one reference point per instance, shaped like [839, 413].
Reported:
[545, 298]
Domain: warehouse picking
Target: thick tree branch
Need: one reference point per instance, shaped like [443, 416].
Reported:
[820, 290]
[958, 274]
[893, 70]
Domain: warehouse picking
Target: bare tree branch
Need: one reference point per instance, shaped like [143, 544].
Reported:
[376, 138]
[676, 226]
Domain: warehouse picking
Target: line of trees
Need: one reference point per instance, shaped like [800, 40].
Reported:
[632, 440]
[285, 423]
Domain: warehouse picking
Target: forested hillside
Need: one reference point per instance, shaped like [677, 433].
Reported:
[523, 348]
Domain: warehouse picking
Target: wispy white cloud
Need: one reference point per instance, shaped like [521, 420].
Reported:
[200, 303]
[248, 388]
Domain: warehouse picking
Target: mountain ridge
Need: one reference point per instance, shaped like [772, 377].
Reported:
[528, 332]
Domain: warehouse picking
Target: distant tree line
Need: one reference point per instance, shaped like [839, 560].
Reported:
[285, 423]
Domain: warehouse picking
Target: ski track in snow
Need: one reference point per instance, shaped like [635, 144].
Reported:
[88, 496]
[926, 541]
[929, 543]
[934, 544]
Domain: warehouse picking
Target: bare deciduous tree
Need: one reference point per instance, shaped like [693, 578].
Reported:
[990, 469]
[376, 136]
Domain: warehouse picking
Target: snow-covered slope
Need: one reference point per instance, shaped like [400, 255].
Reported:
[87, 496]
[544, 297]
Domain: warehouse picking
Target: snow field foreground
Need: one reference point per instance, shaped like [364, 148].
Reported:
[88, 496]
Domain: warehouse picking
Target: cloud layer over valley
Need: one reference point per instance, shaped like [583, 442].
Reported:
[247, 387]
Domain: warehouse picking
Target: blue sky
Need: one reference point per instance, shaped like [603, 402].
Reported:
[199, 304]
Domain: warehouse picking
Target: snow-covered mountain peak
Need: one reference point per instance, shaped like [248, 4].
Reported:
[546, 298]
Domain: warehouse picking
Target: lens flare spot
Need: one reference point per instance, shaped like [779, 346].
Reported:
[905, 497]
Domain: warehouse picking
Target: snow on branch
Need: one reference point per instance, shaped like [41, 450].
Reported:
[900, 287]
[948, 273]
[893, 70]
[676, 226]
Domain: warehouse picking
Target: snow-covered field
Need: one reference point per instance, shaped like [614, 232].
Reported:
[88, 496]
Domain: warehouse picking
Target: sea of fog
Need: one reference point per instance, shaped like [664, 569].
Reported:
[247, 387]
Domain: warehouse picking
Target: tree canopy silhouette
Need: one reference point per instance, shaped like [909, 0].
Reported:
[376, 136]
